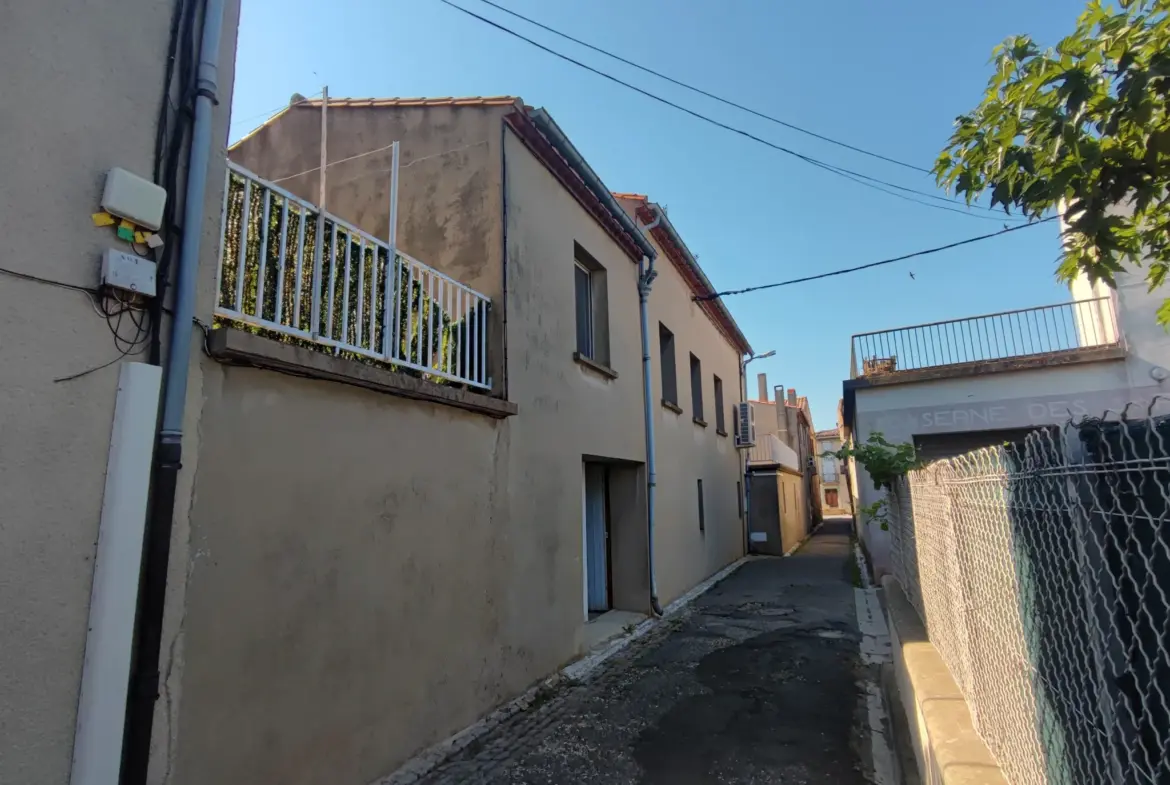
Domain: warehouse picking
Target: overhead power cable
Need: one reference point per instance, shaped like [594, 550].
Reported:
[858, 177]
[237, 121]
[926, 252]
[702, 92]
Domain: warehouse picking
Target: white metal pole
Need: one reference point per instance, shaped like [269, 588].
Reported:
[109, 644]
[390, 329]
[324, 140]
[319, 245]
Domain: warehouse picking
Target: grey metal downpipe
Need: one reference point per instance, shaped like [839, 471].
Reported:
[646, 276]
[144, 681]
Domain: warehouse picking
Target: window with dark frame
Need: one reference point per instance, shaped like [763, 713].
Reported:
[591, 300]
[720, 422]
[702, 512]
[696, 388]
[584, 295]
[666, 361]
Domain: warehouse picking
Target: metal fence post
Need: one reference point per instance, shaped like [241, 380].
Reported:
[319, 245]
[390, 328]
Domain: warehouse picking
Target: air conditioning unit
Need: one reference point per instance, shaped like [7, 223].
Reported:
[746, 417]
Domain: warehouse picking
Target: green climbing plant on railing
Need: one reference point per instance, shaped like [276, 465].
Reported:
[271, 284]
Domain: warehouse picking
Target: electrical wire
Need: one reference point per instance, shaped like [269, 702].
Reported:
[114, 317]
[926, 252]
[406, 165]
[858, 177]
[700, 91]
[125, 347]
[236, 121]
[49, 281]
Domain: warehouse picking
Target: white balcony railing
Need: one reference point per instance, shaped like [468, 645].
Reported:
[341, 291]
[1048, 329]
[769, 450]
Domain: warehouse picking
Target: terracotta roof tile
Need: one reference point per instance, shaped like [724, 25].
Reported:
[475, 100]
[632, 197]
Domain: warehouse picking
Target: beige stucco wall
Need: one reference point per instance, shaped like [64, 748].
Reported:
[343, 641]
[87, 84]
[686, 451]
[567, 411]
[778, 510]
[369, 574]
[345, 606]
[366, 575]
[449, 186]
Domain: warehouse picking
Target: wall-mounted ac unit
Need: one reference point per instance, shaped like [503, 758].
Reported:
[746, 417]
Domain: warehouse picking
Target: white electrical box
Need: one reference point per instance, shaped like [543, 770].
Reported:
[134, 198]
[128, 272]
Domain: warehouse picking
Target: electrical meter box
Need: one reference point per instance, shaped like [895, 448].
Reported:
[128, 272]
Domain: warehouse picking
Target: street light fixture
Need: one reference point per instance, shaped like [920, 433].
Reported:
[743, 371]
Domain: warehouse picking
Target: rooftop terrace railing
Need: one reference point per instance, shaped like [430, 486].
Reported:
[1029, 332]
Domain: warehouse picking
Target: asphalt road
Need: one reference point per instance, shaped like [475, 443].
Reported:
[761, 681]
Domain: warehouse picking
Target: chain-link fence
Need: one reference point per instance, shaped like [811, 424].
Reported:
[1042, 573]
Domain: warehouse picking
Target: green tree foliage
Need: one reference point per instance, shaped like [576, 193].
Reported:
[1086, 124]
[885, 462]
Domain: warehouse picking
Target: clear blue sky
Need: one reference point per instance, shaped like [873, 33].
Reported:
[887, 76]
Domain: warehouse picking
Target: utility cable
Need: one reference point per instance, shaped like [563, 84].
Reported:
[237, 121]
[926, 252]
[849, 174]
[124, 346]
[378, 171]
[49, 281]
[700, 91]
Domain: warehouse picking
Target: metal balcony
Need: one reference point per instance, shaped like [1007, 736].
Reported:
[346, 292]
[1029, 332]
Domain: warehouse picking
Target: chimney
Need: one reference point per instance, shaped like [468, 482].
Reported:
[792, 396]
[781, 415]
[762, 382]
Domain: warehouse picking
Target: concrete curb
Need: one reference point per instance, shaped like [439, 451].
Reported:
[862, 565]
[946, 746]
[579, 670]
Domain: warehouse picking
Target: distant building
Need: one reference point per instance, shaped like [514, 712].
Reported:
[785, 487]
[831, 472]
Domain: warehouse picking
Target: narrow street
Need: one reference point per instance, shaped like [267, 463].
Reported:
[760, 681]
